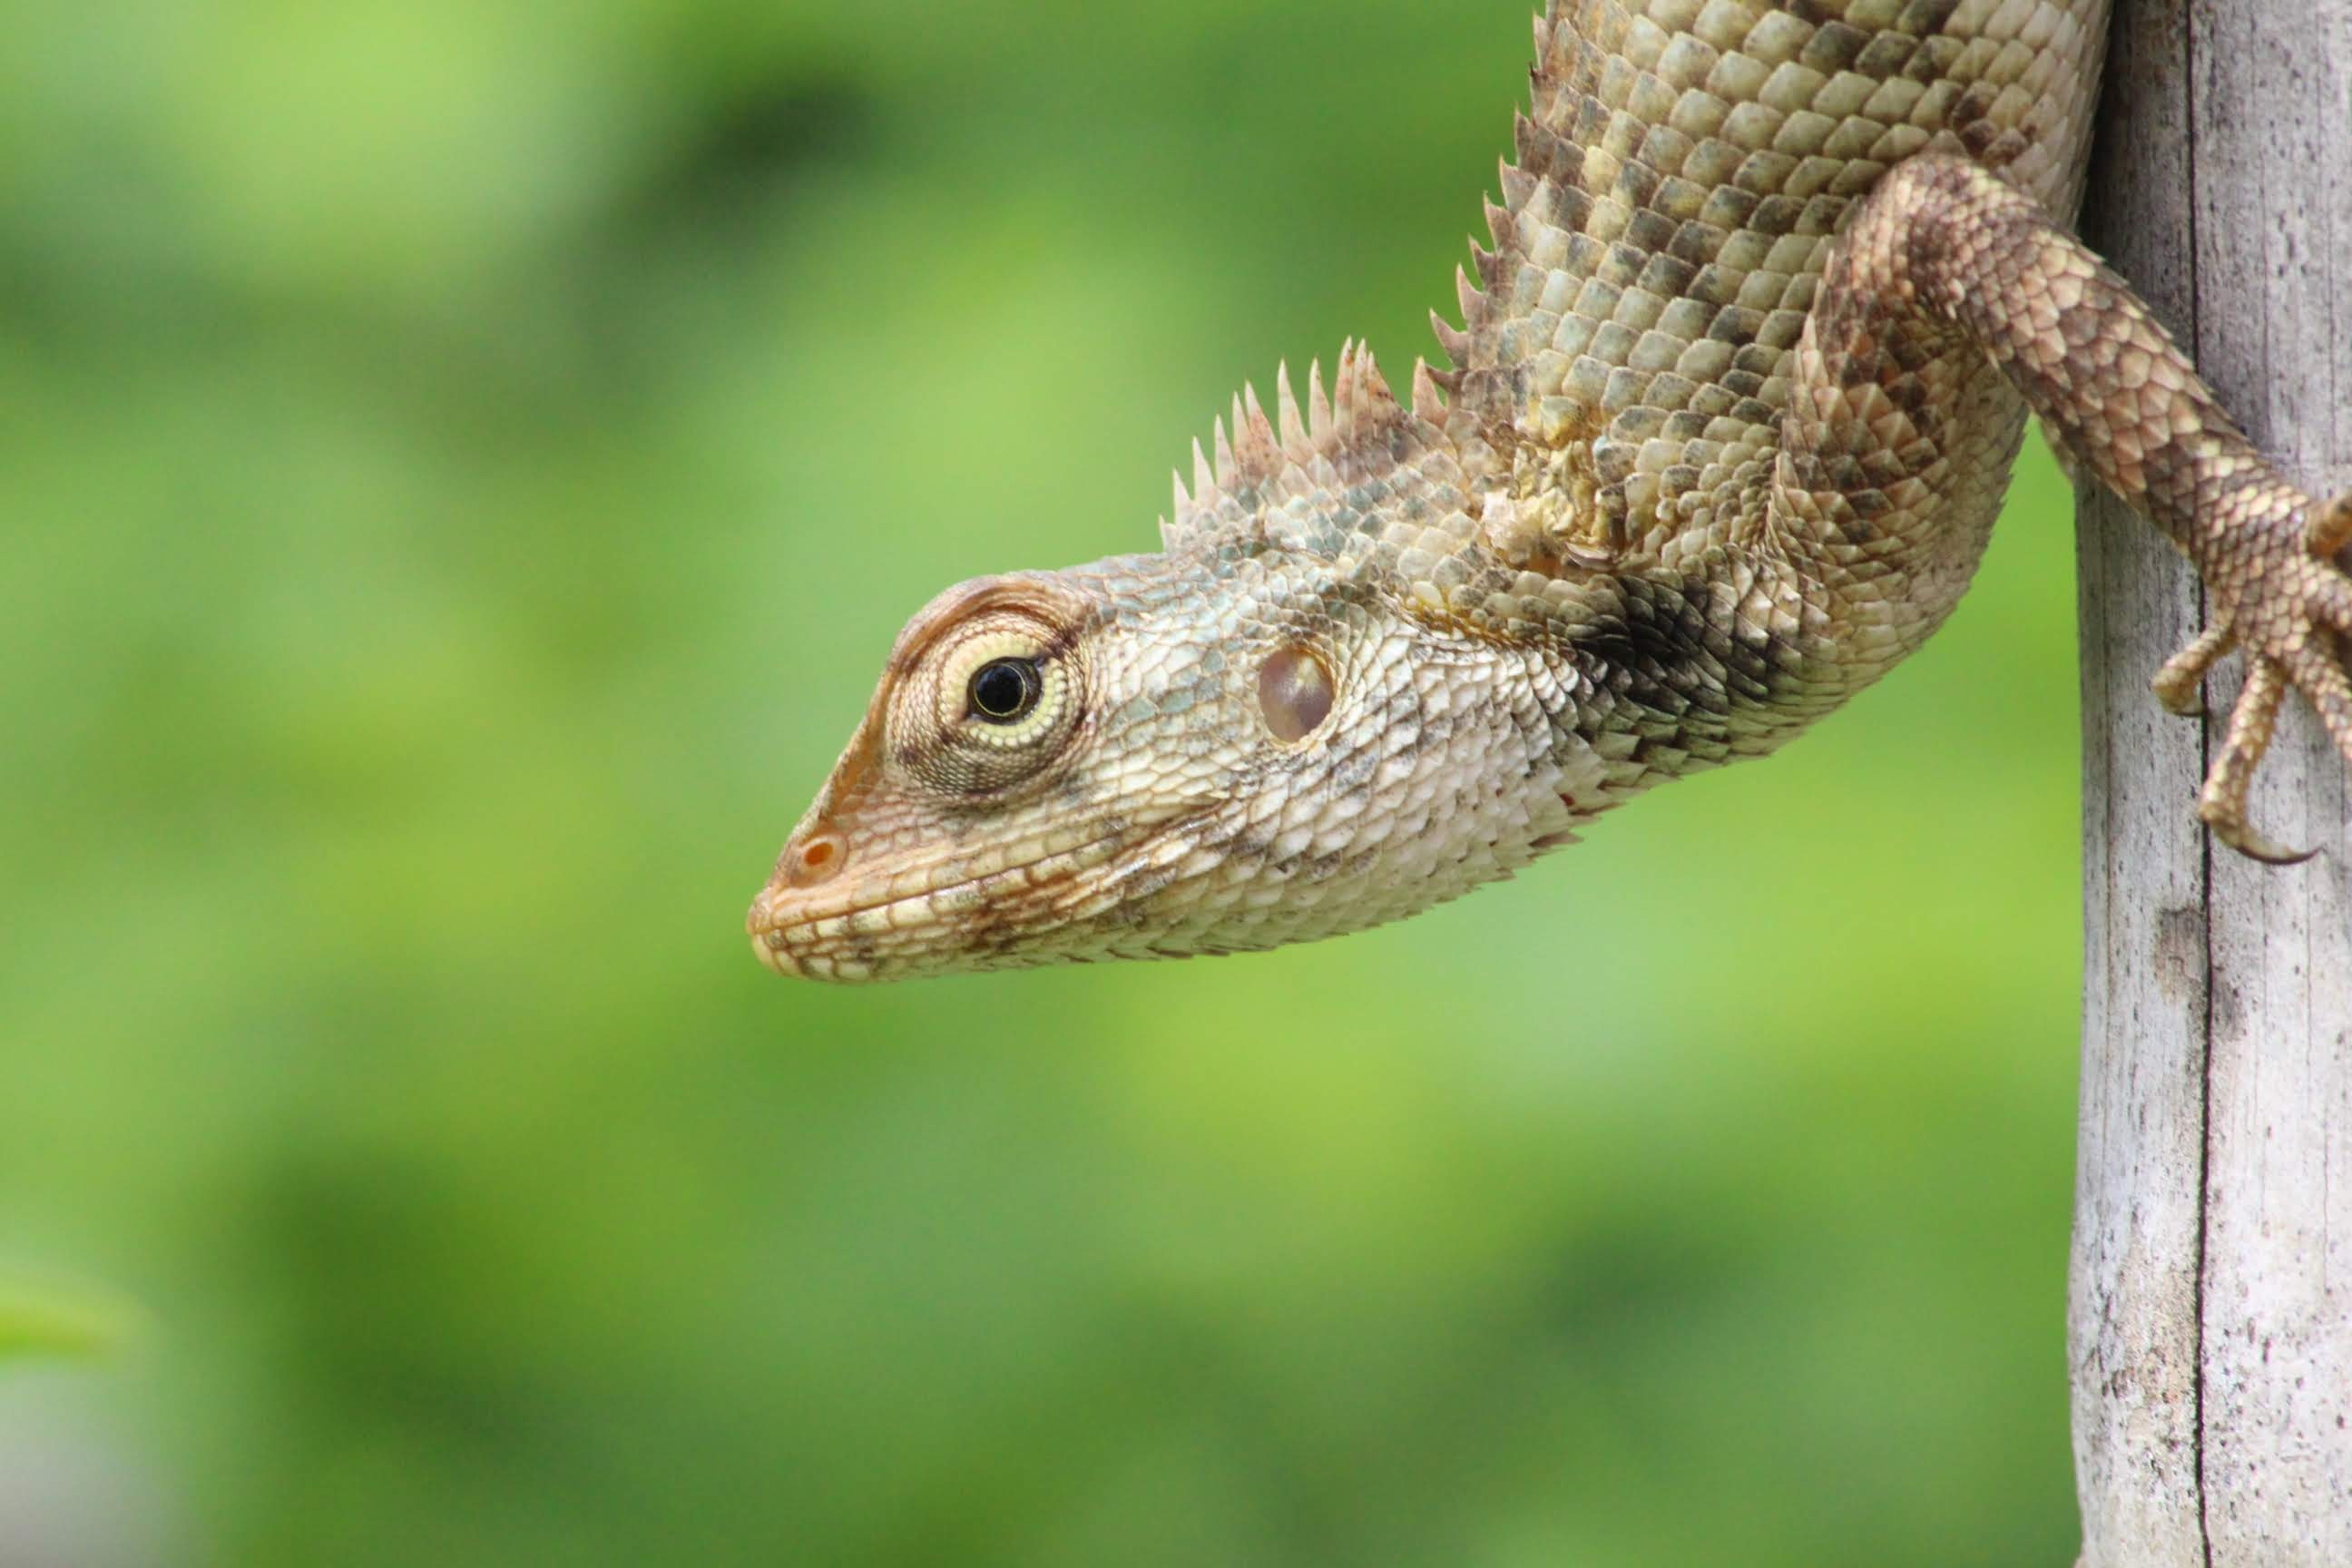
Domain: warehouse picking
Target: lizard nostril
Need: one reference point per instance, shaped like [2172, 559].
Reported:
[815, 860]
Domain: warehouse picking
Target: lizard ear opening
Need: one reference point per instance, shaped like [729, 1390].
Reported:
[1294, 692]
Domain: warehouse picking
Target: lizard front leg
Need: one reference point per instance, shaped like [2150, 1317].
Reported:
[1945, 248]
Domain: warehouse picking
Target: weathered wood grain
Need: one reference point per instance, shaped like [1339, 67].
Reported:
[2211, 1303]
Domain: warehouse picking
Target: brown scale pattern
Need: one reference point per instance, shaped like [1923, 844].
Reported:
[1946, 256]
[1679, 182]
[1739, 387]
[1772, 290]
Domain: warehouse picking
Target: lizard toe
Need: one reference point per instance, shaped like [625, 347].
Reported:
[2331, 599]
[2221, 805]
[2319, 675]
[2178, 685]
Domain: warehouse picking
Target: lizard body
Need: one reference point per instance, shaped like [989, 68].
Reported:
[1773, 290]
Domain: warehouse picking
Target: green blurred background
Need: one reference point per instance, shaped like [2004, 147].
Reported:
[465, 464]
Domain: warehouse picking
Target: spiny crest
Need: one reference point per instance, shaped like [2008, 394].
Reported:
[1543, 181]
[1361, 430]
[1358, 430]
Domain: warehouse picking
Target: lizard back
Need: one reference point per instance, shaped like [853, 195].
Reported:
[1627, 352]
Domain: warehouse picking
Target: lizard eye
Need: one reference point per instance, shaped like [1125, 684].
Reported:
[1005, 690]
[1001, 690]
[990, 706]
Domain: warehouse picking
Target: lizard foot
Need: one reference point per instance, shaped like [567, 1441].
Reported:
[2285, 601]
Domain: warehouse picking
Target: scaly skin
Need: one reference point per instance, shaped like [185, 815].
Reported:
[1734, 405]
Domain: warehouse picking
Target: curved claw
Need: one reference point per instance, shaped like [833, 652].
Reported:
[2178, 682]
[2242, 836]
[2255, 847]
[2222, 805]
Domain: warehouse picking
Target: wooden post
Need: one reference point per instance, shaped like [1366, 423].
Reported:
[2211, 1309]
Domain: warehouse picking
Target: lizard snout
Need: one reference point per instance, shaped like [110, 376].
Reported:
[815, 857]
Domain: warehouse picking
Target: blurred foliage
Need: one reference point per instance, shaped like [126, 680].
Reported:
[467, 462]
[46, 1317]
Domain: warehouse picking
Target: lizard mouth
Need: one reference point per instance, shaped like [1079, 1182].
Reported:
[908, 919]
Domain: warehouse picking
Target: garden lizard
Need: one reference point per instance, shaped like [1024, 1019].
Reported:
[1773, 292]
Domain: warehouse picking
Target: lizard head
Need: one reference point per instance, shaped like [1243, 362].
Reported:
[1153, 756]
[1282, 728]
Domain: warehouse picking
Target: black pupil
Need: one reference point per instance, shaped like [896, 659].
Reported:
[1004, 690]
